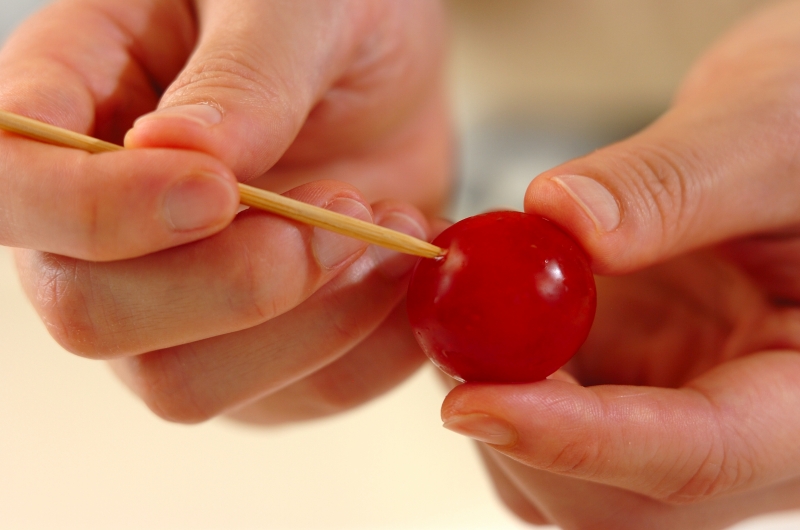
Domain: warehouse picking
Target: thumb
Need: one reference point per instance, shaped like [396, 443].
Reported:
[264, 71]
[720, 164]
[732, 429]
[245, 91]
[688, 181]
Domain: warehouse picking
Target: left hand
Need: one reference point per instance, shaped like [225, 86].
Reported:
[680, 410]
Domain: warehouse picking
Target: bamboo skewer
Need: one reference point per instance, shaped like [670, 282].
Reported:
[249, 196]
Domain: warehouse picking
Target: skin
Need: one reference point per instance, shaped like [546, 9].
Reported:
[139, 258]
[680, 411]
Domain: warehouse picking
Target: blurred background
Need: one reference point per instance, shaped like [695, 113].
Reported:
[535, 82]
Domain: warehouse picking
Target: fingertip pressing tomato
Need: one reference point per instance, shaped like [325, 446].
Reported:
[511, 301]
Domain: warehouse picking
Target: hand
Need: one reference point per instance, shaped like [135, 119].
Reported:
[680, 411]
[136, 256]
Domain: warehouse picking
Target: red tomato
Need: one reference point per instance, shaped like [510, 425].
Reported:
[512, 301]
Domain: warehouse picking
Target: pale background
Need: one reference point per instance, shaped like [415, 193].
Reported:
[78, 452]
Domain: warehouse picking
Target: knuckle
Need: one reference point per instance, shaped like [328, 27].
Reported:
[346, 328]
[231, 65]
[164, 386]
[664, 179]
[257, 286]
[717, 474]
[577, 455]
[580, 457]
[91, 246]
[76, 307]
[91, 221]
[728, 464]
[236, 68]
[61, 302]
[250, 288]
[232, 79]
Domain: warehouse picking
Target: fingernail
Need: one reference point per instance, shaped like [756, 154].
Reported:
[205, 115]
[594, 199]
[199, 201]
[330, 248]
[394, 264]
[483, 427]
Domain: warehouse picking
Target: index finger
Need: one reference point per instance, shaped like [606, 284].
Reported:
[733, 429]
[257, 269]
[109, 206]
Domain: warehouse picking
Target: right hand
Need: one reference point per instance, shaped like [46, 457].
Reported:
[135, 256]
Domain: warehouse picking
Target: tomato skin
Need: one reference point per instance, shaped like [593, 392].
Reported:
[511, 302]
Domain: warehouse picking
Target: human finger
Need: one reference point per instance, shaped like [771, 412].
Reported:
[575, 504]
[414, 166]
[720, 164]
[380, 362]
[196, 381]
[93, 67]
[261, 266]
[322, 77]
[730, 430]
[110, 206]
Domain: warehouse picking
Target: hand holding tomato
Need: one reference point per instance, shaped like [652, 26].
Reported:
[680, 410]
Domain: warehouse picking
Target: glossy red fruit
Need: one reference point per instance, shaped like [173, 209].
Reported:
[512, 300]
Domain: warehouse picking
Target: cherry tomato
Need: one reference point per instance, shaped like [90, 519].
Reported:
[511, 301]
